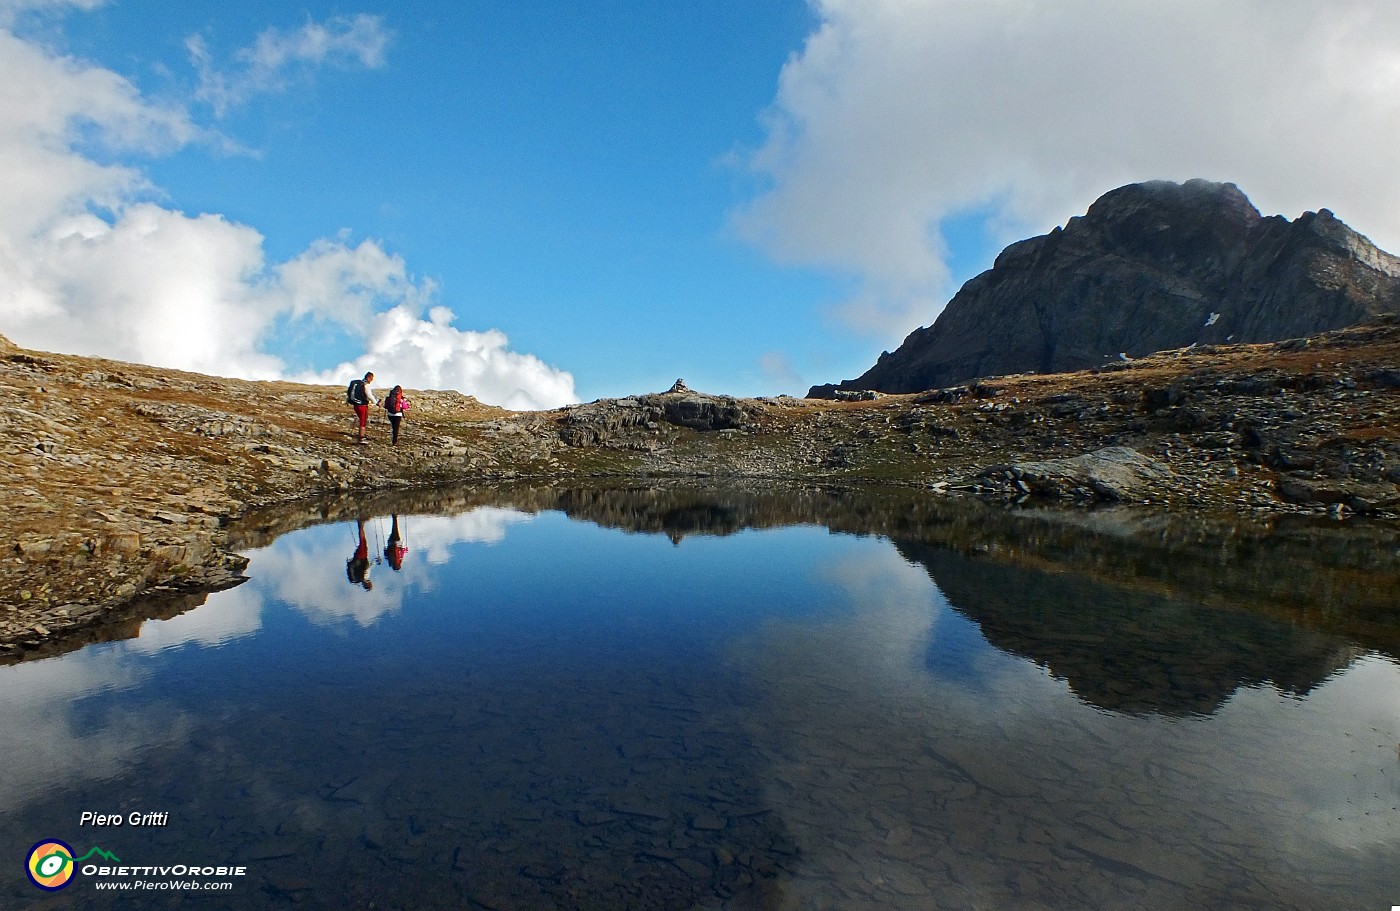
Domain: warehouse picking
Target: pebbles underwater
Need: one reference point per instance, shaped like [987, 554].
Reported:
[539, 711]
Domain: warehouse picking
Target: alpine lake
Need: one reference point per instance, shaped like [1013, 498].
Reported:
[687, 697]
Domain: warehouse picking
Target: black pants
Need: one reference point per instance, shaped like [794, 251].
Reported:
[394, 423]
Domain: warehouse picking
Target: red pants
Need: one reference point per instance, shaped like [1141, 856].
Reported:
[362, 412]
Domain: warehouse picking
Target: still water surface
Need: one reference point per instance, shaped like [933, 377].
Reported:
[673, 706]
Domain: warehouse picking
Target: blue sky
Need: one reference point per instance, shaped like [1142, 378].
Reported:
[538, 202]
[560, 178]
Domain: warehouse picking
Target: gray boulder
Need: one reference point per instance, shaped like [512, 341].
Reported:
[1111, 474]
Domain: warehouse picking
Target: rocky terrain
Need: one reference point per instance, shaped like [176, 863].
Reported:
[127, 482]
[1149, 267]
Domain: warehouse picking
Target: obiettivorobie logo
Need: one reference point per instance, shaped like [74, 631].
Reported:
[51, 863]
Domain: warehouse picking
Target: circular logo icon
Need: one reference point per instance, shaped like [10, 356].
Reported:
[50, 864]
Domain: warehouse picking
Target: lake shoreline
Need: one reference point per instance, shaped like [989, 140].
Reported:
[663, 695]
[126, 482]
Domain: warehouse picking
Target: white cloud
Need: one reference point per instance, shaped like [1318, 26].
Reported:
[90, 264]
[47, 104]
[277, 57]
[898, 114]
[128, 289]
[10, 10]
[331, 277]
[432, 354]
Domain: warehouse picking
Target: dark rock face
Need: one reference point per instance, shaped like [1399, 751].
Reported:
[604, 420]
[1151, 266]
[703, 412]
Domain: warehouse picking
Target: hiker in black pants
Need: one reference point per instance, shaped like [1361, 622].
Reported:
[396, 404]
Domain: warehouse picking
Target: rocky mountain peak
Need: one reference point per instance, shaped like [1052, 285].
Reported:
[1149, 267]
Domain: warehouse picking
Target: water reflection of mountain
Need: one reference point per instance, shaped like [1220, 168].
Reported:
[1128, 650]
[1120, 603]
[1328, 579]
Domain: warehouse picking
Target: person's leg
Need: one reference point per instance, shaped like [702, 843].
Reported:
[394, 423]
[362, 412]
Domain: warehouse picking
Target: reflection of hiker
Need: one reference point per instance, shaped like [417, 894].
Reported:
[394, 548]
[359, 395]
[396, 403]
[357, 567]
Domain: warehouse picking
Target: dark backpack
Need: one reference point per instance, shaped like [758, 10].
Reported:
[355, 393]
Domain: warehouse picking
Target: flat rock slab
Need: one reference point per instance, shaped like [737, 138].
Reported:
[1360, 496]
[1112, 474]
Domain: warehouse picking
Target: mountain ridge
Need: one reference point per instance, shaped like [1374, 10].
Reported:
[1149, 267]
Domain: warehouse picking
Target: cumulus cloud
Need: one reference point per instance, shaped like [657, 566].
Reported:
[278, 56]
[48, 104]
[898, 115]
[92, 262]
[432, 354]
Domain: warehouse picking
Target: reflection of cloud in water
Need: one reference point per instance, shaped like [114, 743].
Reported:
[918, 781]
[844, 697]
[1337, 804]
[898, 613]
[44, 744]
[306, 569]
[896, 619]
[47, 745]
[433, 536]
[225, 615]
